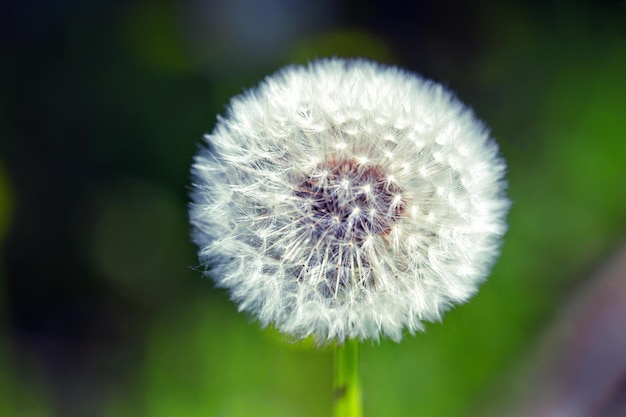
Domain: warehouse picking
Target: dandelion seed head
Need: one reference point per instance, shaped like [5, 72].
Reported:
[345, 199]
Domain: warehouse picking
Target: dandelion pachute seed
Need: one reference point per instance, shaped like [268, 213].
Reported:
[345, 199]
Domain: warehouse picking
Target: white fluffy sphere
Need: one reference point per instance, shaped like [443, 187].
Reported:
[346, 199]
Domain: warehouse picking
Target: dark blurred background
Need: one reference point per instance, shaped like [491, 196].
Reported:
[102, 309]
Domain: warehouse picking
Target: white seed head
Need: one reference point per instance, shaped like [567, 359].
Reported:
[346, 199]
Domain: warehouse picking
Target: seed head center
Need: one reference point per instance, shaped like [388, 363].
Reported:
[349, 200]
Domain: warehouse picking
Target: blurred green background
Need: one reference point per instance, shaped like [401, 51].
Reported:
[102, 106]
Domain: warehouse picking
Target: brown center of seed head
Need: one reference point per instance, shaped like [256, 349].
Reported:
[349, 201]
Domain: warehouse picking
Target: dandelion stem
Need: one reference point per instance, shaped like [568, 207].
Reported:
[346, 384]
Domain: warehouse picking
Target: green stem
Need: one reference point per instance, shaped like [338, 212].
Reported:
[346, 385]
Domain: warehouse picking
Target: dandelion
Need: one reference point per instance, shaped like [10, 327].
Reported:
[348, 200]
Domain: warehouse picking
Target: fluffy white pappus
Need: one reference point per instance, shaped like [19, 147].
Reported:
[345, 199]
